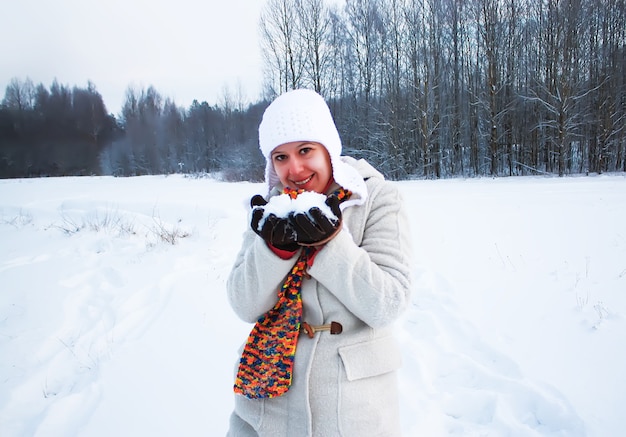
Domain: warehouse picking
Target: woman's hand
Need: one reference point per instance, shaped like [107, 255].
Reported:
[314, 227]
[276, 231]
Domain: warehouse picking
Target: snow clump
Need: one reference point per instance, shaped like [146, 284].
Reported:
[283, 206]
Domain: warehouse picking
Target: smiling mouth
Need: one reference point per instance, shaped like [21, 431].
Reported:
[304, 181]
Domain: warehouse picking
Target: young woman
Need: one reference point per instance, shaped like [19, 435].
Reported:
[323, 285]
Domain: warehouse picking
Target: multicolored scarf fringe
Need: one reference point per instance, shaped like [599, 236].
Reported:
[266, 364]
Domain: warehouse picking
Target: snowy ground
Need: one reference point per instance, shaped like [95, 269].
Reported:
[517, 325]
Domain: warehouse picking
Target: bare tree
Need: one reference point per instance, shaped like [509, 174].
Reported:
[90, 113]
[19, 95]
[560, 85]
[315, 26]
[363, 24]
[282, 45]
[413, 11]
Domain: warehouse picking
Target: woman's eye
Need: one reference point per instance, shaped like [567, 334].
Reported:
[279, 157]
[305, 150]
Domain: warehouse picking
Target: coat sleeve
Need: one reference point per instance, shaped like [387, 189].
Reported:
[372, 280]
[255, 278]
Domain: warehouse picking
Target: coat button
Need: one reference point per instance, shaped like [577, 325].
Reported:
[336, 328]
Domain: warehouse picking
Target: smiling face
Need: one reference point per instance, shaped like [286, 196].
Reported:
[303, 165]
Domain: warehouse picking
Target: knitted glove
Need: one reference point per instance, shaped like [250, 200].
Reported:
[315, 227]
[276, 231]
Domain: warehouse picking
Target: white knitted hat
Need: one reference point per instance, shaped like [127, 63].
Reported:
[303, 115]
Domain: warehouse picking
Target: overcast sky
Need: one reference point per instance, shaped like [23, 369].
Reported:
[186, 49]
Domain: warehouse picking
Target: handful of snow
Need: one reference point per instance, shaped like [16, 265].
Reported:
[283, 206]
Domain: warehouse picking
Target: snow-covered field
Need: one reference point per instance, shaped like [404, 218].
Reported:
[517, 325]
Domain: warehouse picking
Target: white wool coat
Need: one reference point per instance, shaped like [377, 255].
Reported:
[345, 384]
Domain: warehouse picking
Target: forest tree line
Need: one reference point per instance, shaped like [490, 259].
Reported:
[420, 88]
[67, 131]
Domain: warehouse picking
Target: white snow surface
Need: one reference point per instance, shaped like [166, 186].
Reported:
[516, 325]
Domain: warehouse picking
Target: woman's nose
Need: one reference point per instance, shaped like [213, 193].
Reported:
[295, 166]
